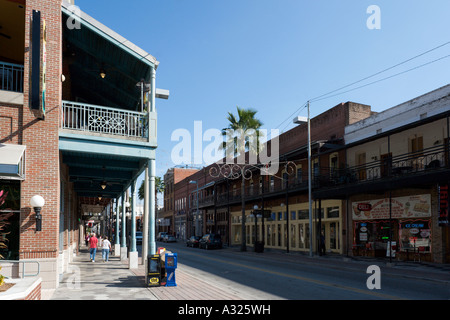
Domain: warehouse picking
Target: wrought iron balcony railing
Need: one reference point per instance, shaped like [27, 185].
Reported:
[103, 120]
[422, 161]
[11, 77]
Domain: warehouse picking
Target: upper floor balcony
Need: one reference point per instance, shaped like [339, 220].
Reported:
[98, 120]
[11, 77]
[427, 166]
[11, 83]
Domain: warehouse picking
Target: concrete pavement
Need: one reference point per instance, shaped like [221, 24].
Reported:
[115, 281]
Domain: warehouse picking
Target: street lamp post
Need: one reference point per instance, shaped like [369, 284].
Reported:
[301, 120]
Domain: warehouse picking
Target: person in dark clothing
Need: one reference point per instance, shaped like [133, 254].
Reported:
[322, 244]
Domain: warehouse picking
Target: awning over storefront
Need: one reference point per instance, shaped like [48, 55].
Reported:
[12, 161]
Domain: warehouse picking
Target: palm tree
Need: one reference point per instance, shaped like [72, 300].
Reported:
[159, 188]
[245, 123]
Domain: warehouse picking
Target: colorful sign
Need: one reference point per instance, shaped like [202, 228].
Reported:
[38, 64]
[443, 206]
[416, 206]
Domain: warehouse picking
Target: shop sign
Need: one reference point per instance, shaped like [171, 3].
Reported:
[401, 207]
[443, 206]
[38, 64]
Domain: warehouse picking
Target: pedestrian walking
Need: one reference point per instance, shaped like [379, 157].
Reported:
[93, 241]
[106, 248]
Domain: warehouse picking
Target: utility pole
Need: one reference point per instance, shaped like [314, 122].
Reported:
[310, 186]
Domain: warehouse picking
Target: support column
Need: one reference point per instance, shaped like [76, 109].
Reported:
[153, 89]
[145, 222]
[123, 244]
[116, 237]
[134, 257]
[152, 205]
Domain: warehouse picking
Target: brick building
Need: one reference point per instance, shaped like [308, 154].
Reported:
[71, 131]
[361, 162]
[168, 219]
[220, 199]
[396, 180]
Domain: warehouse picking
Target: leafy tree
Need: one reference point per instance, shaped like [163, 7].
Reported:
[244, 123]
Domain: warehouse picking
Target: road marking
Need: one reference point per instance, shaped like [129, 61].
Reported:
[319, 282]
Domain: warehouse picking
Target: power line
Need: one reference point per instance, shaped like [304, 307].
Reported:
[392, 76]
[327, 95]
[290, 117]
[380, 72]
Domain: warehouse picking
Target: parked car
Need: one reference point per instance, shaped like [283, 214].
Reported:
[210, 240]
[170, 238]
[193, 241]
[160, 236]
[138, 237]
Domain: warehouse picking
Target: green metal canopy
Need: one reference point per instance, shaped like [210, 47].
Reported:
[101, 68]
[92, 50]
[89, 172]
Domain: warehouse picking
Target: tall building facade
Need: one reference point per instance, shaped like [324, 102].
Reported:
[379, 186]
[71, 131]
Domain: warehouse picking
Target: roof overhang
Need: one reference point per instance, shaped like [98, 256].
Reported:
[101, 66]
[86, 20]
[12, 161]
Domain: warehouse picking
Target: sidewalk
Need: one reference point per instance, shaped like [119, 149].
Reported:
[114, 281]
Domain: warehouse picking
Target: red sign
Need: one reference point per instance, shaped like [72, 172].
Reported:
[364, 206]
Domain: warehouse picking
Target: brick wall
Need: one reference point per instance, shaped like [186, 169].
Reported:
[41, 139]
[11, 117]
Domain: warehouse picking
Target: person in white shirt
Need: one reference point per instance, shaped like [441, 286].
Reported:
[106, 248]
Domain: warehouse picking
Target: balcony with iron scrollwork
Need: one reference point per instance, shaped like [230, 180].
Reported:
[94, 120]
[415, 168]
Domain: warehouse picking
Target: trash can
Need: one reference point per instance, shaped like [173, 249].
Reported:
[259, 246]
[154, 271]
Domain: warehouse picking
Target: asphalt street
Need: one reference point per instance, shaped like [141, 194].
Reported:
[293, 276]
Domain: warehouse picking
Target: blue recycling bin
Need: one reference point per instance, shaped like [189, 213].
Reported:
[171, 265]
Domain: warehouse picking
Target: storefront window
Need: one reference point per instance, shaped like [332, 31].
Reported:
[333, 212]
[415, 235]
[303, 214]
[10, 211]
[303, 236]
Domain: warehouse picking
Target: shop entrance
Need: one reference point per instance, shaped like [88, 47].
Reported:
[330, 230]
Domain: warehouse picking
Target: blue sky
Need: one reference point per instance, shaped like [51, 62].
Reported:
[274, 55]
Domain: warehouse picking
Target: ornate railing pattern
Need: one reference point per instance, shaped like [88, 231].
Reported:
[425, 161]
[422, 161]
[104, 120]
[11, 77]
